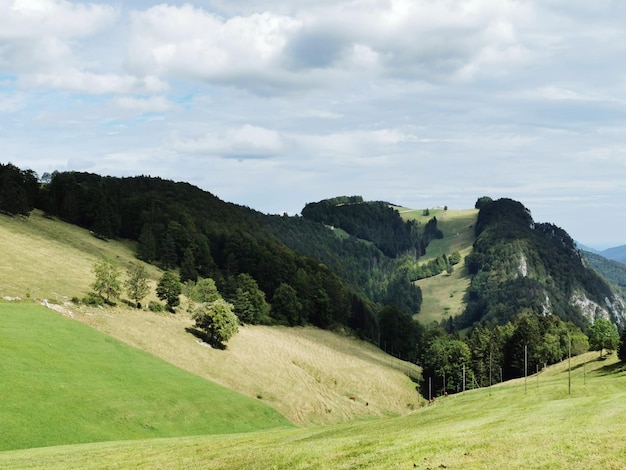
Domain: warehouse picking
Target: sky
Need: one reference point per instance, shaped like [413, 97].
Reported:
[273, 104]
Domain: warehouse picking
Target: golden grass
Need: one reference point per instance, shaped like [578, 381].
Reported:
[47, 259]
[307, 374]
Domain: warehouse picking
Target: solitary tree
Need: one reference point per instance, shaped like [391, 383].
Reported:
[136, 283]
[217, 321]
[107, 283]
[603, 335]
[169, 289]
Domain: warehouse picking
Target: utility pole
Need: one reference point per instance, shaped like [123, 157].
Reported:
[430, 394]
[444, 382]
[463, 378]
[489, 372]
[569, 364]
[525, 368]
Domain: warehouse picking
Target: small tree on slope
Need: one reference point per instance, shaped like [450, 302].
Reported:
[107, 283]
[217, 320]
[136, 283]
[603, 335]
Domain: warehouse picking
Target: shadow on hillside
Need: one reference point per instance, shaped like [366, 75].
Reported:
[611, 369]
[201, 335]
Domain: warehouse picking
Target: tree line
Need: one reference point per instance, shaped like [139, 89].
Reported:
[181, 228]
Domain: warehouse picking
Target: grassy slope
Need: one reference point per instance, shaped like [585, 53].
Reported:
[63, 383]
[444, 295]
[501, 427]
[45, 258]
[306, 374]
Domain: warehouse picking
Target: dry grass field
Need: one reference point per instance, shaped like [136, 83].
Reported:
[307, 374]
[42, 258]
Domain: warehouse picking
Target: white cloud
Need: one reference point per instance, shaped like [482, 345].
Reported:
[93, 83]
[192, 42]
[245, 142]
[153, 104]
[36, 35]
[424, 102]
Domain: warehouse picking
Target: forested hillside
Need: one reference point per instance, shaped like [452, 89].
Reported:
[613, 271]
[349, 262]
[518, 264]
[306, 273]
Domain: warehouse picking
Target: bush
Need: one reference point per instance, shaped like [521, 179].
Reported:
[94, 300]
[156, 307]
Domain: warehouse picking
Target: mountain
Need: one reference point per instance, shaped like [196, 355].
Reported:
[617, 253]
[519, 265]
[345, 261]
[613, 271]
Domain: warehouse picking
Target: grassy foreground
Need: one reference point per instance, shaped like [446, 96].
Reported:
[63, 382]
[513, 425]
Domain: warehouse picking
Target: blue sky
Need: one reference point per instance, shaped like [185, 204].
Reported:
[273, 104]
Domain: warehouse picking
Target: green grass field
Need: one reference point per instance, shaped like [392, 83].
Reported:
[510, 426]
[64, 382]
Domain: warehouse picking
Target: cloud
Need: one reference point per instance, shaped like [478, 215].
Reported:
[191, 42]
[94, 83]
[153, 104]
[245, 142]
[37, 35]
[319, 44]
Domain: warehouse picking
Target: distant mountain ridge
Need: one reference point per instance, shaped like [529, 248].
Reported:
[617, 253]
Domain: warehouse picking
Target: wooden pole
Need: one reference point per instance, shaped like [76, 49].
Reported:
[463, 378]
[569, 364]
[525, 368]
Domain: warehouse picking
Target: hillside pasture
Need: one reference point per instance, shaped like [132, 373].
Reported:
[64, 382]
[307, 374]
[534, 425]
[444, 295]
[44, 258]
[457, 227]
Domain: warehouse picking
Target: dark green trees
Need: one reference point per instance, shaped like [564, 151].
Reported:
[169, 289]
[447, 357]
[399, 334]
[249, 301]
[18, 190]
[621, 349]
[286, 308]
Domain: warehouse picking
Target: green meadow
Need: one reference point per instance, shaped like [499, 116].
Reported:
[64, 383]
[535, 424]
